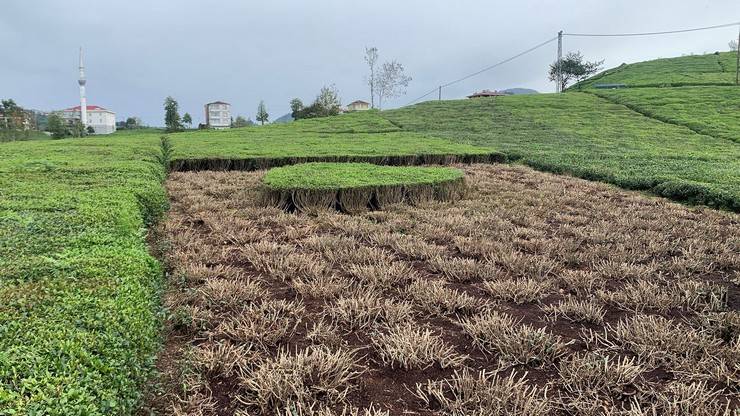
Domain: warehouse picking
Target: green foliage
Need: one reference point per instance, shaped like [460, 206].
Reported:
[13, 135]
[78, 289]
[357, 187]
[706, 110]
[363, 133]
[187, 119]
[56, 126]
[296, 105]
[573, 67]
[166, 150]
[77, 129]
[241, 122]
[354, 175]
[587, 136]
[79, 292]
[133, 123]
[710, 69]
[171, 115]
[16, 123]
[326, 104]
[262, 115]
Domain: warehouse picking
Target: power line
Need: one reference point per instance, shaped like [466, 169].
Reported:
[420, 97]
[439, 88]
[651, 33]
[488, 68]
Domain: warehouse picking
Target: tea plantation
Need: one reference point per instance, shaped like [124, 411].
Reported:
[80, 313]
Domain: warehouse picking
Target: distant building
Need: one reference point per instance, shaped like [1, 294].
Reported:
[102, 120]
[358, 105]
[21, 120]
[488, 93]
[218, 115]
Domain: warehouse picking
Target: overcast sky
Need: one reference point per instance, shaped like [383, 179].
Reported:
[139, 52]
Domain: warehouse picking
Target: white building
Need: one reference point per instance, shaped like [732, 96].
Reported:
[102, 120]
[358, 105]
[218, 115]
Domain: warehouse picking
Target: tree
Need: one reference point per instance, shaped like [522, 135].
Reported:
[262, 115]
[241, 122]
[186, 119]
[13, 114]
[296, 105]
[328, 101]
[55, 125]
[391, 81]
[171, 115]
[133, 123]
[77, 129]
[90, 130]
[371, 58]
[732, 44]
[573, 67]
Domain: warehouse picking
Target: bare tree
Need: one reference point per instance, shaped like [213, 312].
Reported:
[371, 58]
[733, 45]
[391, 81]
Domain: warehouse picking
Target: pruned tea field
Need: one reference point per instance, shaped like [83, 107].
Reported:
[536, 294]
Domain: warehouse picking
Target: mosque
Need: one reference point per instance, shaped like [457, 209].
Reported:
[102, 120]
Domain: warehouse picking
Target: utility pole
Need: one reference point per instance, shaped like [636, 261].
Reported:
[558, 88]
[440, 93]
[737, 52]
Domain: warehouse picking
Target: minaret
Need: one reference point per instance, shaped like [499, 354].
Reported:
[83, 98]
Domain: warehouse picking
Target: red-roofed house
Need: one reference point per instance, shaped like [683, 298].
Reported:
[102, 120]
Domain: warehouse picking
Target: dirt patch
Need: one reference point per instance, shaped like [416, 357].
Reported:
[536, 294]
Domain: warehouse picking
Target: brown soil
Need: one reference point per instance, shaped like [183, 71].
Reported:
[587, 241]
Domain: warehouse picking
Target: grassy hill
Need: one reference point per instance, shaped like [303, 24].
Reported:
[79, 291]
[590, 137]
[710, 69]
[707, 110]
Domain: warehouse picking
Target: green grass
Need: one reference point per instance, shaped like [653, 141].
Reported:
[13, 135]
[714, 111]
[354, 175]
[707, 69]
[587, 136]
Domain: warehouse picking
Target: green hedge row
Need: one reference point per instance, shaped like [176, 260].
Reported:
[79, 291]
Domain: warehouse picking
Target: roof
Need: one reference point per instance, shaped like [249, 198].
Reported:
[358, 102]
[218, 102]
[487, 93]
[89, 108]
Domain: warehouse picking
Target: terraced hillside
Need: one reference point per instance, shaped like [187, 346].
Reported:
[711, 69]
[707, 110]
[593, 138]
